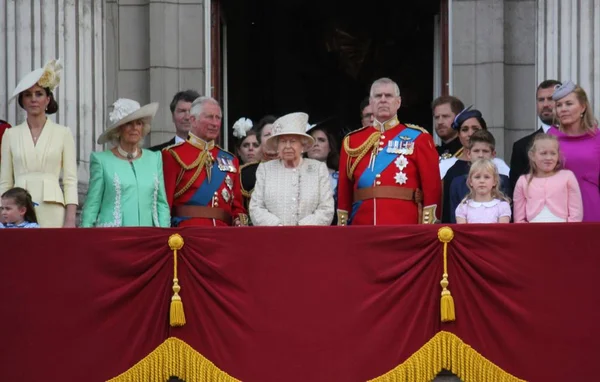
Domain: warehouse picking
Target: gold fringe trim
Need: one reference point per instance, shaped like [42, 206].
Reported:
[446, 351]
[174, 358]
[445, 235]
[176, 313]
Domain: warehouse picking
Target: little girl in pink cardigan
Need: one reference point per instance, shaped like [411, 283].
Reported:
[547, 194]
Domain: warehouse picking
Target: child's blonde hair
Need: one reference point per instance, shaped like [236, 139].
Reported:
[532, 166]
[489, 166]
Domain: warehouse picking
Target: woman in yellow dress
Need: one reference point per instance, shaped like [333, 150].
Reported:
[36, 152]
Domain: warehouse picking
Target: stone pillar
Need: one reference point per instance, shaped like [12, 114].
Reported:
[493, 64]
[569, 44]
[73, 31]
[478, 60]
[154, 49]
[177, 52]
[519, 72]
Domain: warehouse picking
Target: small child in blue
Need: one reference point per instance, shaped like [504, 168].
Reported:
[17, 209]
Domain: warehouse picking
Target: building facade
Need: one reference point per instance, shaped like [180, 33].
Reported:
[498, 50]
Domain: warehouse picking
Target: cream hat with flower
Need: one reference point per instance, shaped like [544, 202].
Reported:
[46, 77]
[125, 111]
[290, 124]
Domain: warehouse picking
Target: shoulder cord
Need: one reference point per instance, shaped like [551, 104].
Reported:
[360, 152]
[203, 161]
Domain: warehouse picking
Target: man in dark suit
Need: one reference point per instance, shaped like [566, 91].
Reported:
[445, 109]
[519, 161]
[180, 110]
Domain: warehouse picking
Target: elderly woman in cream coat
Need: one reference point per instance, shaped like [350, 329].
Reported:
[291, 190]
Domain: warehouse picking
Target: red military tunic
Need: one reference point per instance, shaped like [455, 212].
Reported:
[186, 171]
[388, 175]
[3, 126]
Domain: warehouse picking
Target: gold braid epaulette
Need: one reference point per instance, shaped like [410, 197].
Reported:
[360, 151]
[198, 164]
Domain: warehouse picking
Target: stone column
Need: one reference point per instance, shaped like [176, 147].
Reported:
[72, 31]
[478, 60]
[154, 49]
[177, 49]
[519, 72]
[569, 44]
[493, 64]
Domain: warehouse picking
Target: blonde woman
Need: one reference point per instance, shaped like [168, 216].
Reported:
[36, 152]
[579, 139]
[126, 182]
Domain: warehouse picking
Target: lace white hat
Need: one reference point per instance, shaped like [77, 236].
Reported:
[125, 111]
[46, 77]
[294, 124]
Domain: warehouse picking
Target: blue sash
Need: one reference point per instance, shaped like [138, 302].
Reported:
[382, 161]
[206, 191]
[384, 158]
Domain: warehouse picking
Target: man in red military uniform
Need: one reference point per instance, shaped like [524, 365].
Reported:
[389, 172]
[201, 179]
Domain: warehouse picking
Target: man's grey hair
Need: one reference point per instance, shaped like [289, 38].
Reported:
[198, 105]
[385, 81]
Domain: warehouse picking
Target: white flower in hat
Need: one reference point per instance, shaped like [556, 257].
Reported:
[241, 127]
[122, 108]
[127, 110]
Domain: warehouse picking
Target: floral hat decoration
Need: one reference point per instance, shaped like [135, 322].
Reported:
[47, 77]
[241, 127]
[290, 124]
[126, 110]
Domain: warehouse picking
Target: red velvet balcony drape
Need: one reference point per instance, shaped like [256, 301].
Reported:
[304, 304]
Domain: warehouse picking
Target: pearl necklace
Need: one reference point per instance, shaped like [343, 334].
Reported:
[126, 154]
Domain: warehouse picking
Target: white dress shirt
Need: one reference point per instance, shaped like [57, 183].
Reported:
[543, 125]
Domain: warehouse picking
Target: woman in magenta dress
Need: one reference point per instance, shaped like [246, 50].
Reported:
[579, 138]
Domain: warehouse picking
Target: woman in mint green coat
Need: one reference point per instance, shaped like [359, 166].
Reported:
[126, 182]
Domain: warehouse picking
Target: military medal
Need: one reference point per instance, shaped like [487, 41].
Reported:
[230, 166]
[401, 162]
[226, 195]
[222, 163]
[401, 178]
[229, 182]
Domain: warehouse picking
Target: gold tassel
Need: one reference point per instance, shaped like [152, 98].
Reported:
[445, 235]
[176, 314]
